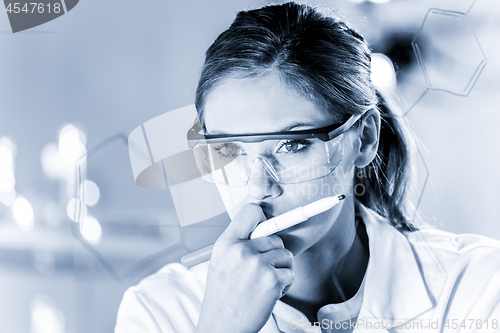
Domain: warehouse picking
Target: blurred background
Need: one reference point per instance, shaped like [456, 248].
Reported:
[80, 84]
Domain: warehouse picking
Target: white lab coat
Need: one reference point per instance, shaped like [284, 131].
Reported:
[423, 281]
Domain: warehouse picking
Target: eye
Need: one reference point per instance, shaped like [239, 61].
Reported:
[229, 150]
[292, 146]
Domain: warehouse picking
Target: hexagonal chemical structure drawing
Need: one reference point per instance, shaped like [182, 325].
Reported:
[448, 52]
[202, 208]
[423, 177]
[139, 229]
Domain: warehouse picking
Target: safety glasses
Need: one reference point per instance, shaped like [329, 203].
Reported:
[288, 157]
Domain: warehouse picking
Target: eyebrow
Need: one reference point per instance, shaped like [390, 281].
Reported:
[286, 129]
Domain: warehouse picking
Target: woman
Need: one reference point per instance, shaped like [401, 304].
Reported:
[277, 72]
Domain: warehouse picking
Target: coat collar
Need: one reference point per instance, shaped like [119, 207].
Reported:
[394, 288]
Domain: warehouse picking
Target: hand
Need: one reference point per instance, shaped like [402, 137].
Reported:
[246, 277]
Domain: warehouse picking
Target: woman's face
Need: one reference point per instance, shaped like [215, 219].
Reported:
[259, 105]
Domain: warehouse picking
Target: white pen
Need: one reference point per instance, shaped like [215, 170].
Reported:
[271, 226]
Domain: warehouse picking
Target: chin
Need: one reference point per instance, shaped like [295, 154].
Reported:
[298, 238]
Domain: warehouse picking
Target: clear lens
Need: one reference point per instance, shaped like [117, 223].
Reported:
[287, 161]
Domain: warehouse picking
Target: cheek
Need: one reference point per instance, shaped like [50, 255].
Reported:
[340, 181]
[305, 235]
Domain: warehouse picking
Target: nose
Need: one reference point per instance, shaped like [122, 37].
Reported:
[262, 183]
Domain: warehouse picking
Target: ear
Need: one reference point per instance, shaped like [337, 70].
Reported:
[369, 132]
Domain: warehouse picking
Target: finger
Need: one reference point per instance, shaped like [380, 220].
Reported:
[264, 244]
[285, 277]
[285, 290]
[279, 258]
[245, 221]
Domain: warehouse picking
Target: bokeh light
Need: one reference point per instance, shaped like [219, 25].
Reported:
[383, 75]
[8, 142]
[45, 317]
[91, 230]
[71, 144]
[8, 198]
[90, 193]
[76, 209]
[7, 181]
[52, 163]
[7, 159]
[23, 213]
[6, 156]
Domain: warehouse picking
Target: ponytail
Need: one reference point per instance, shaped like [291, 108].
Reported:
[387, 179]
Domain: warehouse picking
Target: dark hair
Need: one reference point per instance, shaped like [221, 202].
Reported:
[329, 63]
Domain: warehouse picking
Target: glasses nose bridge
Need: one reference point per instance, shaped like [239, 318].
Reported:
[266, 165]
